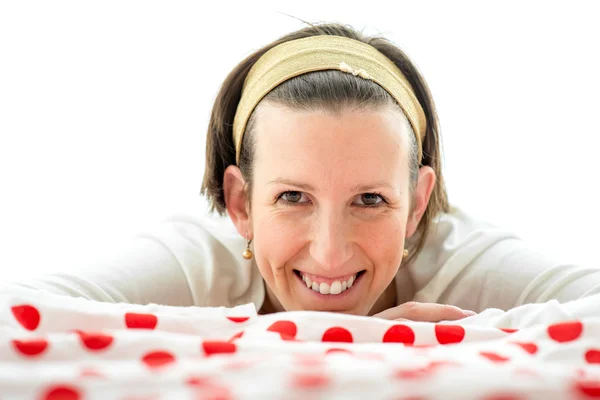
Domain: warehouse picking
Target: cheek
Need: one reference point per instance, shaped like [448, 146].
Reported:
[383, 242]
[277, 240]
[280, 238]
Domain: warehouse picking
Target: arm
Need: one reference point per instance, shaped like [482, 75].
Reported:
[476, 266]
[510, 273]
[141, 272]
[183, 261]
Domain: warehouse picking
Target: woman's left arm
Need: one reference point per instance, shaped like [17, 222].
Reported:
[507, 274]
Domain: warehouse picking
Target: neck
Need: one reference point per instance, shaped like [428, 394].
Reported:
[386, 300]
[270, 304]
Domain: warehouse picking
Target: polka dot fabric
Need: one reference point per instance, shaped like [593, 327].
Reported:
[54, 347]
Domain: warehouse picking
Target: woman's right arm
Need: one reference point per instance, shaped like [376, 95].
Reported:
[184, 260]
[143, 271]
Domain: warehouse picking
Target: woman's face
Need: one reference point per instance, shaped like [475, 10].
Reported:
[330, 206]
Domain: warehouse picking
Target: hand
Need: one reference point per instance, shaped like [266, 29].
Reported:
[424, 312]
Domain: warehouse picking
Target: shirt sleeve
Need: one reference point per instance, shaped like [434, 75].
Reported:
[510, 273]
[182, 261]
[476, 265]
[143, 271]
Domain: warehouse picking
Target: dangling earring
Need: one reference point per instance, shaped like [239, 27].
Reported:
[405, 254]
[247, 254]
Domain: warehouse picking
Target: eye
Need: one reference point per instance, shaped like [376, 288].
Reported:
[370, 199]
[367, 200]
[291, 197]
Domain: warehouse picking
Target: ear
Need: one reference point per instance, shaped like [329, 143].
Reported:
[425, 185]
[235, 195]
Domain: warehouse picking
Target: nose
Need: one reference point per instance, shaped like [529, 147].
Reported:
[331, 247]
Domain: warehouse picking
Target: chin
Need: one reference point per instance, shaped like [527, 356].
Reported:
[360, 313]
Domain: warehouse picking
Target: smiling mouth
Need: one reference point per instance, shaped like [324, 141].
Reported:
[335, 287]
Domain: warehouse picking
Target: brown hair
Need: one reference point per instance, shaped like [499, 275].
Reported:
[330, 90]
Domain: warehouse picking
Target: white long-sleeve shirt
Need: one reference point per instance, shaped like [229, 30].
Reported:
[194, 261]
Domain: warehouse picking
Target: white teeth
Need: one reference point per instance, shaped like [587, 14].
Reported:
[336, 287]
[350, 281]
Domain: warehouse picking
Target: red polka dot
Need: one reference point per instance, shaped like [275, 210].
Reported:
[592, 356]
[95, 341]
[309, 360]
[157, 359]
[448, 334]
[30, 347]
[503, 396]
[588, 387]
[509, 330]
[90, 373]
[198, 381]
[238, 319]
[236, 336]
[494, 357]
[413, 373]
[214, 393]
[206, 389]
[27, 315]
[425, 371]
[399, 334]
[336, 350]
[287, 329]
[61, 393]
[337, 334]
[218, 347]
[531, 348]
[310, 381]
[565, 331]
[435, 364]
[140, 321]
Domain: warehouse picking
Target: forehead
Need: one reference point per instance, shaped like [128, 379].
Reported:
[351, 147]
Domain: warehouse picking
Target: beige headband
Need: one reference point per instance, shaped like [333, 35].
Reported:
[325, 52]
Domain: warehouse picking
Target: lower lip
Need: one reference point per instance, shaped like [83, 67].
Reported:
[332, 297]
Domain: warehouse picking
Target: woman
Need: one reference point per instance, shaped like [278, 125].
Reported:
[323, 150]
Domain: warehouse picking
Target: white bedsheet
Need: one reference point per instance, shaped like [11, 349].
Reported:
[54, 347]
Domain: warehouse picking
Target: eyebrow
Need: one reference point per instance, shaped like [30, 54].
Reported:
[355, 188]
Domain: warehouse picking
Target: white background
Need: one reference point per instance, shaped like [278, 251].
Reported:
[104, 108]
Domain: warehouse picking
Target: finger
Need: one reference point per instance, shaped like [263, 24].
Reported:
[431, 312]
[426, 312]
[391, 313]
